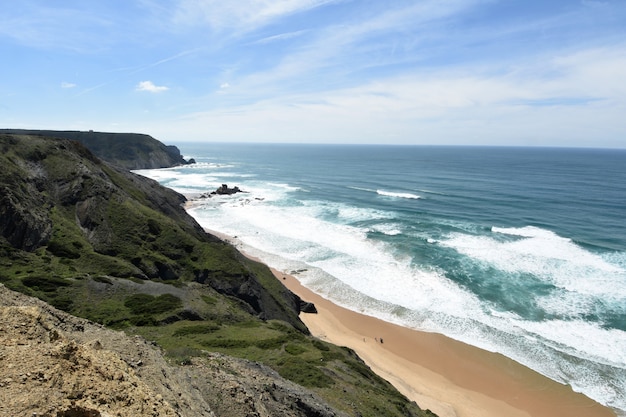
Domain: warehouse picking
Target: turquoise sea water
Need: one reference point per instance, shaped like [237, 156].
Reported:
[521, 251]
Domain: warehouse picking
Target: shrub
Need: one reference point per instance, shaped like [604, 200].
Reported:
[226, 343]
[65, 249]
[103, 280]
[45, 284]
[143, 304]
[63, 302]
[196, 329]
[273, 343]
[303, 373]
[320, 345]
[294, 349]
[144, 320]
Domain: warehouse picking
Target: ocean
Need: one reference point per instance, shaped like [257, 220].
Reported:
[520, 251]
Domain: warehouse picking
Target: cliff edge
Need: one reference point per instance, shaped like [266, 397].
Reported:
[125, 150]
[57, 365]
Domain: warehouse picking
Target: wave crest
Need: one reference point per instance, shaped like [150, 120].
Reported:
[398, 195]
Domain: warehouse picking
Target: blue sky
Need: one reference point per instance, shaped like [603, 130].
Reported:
[473, 72]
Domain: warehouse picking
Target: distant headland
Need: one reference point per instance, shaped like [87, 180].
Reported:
[126, 150]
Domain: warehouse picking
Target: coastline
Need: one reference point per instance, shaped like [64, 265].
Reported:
[449, 377]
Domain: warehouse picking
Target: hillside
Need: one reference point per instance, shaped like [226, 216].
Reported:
[55, 364]
[118, 249]
[126, 150]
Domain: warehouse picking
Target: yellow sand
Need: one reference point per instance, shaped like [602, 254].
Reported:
[446, 376]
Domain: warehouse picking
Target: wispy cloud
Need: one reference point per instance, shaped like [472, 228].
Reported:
[241, 15]
[446, 107]
[435, 70]
[334, 52]
[280, 37]
[150, 87]
[41, 25]
[164, 60]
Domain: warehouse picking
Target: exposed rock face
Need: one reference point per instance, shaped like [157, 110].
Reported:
[25, 226]
[32, 187]
[126, 150]
[53, 364]
[307, 307]
[46, 370]
[250, 291]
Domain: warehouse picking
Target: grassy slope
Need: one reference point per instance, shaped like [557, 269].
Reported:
[114, 257]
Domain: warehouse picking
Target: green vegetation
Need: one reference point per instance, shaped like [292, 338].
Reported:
[335, 373]
[128, 150]
[45, 284]
[118, 250]
[146, 304]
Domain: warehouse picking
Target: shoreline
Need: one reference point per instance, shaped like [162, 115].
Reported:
[451, 378]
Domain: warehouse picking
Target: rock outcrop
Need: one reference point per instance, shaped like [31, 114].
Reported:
[224, 190]
[53, 364]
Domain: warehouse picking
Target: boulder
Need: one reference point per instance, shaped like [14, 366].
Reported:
[307, 307]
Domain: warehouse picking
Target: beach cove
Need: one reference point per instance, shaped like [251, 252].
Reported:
[446, 376]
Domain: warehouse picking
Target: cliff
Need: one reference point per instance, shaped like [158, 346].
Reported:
[126, 150]
[96, 219]
[117, 249]
[55, 364]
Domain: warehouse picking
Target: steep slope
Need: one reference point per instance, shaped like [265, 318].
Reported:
[54, 364]
[115, 248]
[92, 218]
[126, 150]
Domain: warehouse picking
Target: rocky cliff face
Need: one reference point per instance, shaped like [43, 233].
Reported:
[126, 150]
[56, 365]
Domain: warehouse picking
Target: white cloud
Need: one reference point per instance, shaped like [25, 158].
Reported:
[280, 37]
[338, 49]
[570, 100]
[65, 84]
[150, 87]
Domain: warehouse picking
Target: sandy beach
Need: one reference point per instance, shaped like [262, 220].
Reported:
[449, 377]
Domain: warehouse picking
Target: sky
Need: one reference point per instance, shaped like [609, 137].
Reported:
[424, 72]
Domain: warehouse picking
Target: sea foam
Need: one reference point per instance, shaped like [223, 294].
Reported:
[398, 194]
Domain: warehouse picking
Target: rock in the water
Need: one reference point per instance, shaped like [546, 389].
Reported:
[224, 190]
